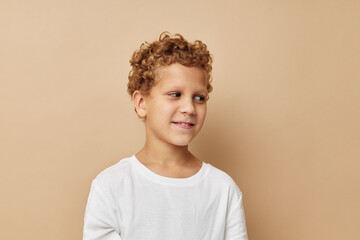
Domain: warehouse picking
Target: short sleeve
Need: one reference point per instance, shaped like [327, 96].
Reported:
[100, 219]
[235, 219]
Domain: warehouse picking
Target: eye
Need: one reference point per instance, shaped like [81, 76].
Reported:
[199, 98]
[174, 94]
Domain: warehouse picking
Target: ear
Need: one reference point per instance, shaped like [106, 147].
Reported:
[139, 103]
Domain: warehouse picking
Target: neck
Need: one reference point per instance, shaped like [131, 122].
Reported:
[164, 154]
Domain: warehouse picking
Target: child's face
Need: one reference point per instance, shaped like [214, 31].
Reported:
[175, 109]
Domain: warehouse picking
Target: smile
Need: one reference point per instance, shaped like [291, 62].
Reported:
[184, 124]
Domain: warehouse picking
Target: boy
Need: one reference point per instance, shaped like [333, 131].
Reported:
[163, 191]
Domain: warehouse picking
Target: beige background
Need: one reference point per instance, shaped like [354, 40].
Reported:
[283, 119]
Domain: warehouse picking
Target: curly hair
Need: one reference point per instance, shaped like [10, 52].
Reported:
[167, 50]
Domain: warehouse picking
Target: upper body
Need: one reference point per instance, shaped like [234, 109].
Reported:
[130, 202]
[164, 191]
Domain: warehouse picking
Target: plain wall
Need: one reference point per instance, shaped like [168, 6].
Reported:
[283, 119]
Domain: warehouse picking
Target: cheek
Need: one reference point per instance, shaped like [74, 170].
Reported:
[164, 111]
[202, 113]
[167, 109]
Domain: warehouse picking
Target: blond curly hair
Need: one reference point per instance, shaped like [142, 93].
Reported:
[167, 50]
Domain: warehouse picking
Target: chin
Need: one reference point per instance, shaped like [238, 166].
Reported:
[182, 143]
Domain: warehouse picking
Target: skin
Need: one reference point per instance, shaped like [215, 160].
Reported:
[174, 112]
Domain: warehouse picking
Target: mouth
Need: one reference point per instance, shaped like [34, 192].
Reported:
[185, 125]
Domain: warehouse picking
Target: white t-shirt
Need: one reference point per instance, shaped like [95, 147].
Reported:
[128, 201]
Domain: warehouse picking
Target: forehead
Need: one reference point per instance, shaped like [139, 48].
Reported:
[180, 75]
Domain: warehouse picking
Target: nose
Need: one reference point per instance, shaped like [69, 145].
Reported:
[187, 107]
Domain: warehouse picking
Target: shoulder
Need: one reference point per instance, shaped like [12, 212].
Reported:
[223, 180]
[115, 173]
[220, 175]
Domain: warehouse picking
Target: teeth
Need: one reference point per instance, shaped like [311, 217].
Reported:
[184, 124]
